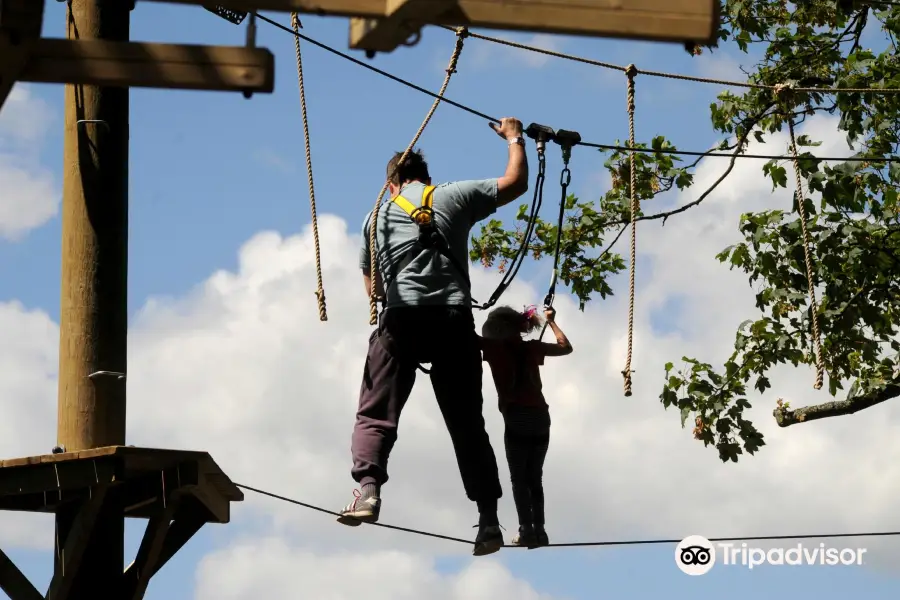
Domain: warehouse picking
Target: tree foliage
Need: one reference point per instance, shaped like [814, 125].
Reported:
[853, 224]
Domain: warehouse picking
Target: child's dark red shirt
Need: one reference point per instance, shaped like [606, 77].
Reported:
[515, 366]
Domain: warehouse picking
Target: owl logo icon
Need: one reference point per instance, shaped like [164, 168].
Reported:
[695, 555]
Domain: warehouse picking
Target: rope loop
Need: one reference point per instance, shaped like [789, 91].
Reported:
[461, 35]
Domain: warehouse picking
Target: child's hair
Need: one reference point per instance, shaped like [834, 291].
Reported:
[505, 322]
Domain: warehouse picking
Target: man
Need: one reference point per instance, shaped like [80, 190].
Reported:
[428, 318]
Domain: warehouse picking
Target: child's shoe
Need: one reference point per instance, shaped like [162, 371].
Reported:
[525, 537]
[540, 535]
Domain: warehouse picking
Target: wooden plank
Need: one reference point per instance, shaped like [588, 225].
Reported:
[77, 540]
[651, 20]
[658, 20]
[405, 19]
[339, 8]
[14, 583]
[139, 64]
[20, 27]
[161, 457]
[138, 574]
[51, 477]
[39, 481]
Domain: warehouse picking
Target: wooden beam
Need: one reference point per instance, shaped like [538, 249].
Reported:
[139, 572]
[20, 27]
[75, 544]
[138, 64]
[189, 519]
[14, 583]
[655, 20]
[337, 8]
[405, 18]
[47, 477]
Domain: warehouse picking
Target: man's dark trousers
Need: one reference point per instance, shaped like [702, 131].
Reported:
[445, 337]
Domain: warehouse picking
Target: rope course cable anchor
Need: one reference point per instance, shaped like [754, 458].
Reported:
[320, 289]
[630, 72]
[461, 34]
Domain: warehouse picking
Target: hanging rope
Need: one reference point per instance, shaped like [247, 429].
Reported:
[630, 72]
[320, 290]
[813, 304]
[461, 34]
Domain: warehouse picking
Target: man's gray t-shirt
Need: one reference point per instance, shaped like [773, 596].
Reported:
[430, 279]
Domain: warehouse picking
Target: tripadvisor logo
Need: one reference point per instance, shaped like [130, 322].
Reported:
[696, 555]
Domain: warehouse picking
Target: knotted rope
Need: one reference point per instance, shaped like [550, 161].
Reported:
[630, 72]
[320, 290]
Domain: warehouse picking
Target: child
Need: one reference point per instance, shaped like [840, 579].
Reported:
[515, 365]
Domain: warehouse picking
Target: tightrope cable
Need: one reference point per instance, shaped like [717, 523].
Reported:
[647, 542]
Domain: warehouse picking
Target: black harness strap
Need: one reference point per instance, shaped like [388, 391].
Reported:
[519, 258]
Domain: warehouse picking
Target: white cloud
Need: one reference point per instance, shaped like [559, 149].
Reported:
[28, 367]
[270, 568]
[25, 118]
[28, 193]
[243, 368]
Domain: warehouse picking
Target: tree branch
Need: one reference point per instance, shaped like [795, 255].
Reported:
[750, 122]
[608, 248]
[838, 408]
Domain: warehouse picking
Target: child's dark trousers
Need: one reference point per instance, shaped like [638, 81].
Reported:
[527, 438]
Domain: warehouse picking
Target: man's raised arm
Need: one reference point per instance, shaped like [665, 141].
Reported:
[514, 182]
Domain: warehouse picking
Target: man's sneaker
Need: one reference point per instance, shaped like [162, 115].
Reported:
[360, 510]
[540, 535]
[488, 540]
[526, 537]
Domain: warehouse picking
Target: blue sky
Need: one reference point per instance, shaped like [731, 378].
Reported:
[210, 170]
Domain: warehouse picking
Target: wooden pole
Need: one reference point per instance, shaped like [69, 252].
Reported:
[93, 306]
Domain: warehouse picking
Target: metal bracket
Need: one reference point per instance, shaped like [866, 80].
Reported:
[567, 140]
[82, 122]
[541, 134]
[117, 375]
[229, 14]
[251, 43]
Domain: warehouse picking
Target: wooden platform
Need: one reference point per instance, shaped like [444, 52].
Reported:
[145, 477]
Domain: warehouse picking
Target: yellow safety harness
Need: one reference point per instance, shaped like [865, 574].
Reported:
[430, 238]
